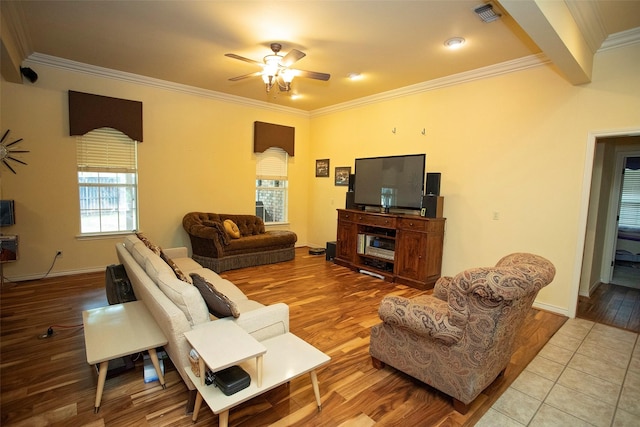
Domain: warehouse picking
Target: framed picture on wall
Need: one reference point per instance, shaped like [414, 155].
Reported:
[342, 175]
[322, 168]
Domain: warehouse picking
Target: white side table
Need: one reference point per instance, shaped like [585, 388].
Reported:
[120, 330]
[222, 343]
[286, 358]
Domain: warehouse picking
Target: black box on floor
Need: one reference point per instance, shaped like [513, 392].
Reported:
[331, 251]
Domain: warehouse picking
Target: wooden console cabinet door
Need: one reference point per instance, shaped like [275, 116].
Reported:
[419, 252]
[346, 241]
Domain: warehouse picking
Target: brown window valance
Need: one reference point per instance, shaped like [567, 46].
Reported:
[88, 112]
[267, 135]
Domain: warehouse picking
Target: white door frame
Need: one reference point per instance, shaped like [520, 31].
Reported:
[592, 138]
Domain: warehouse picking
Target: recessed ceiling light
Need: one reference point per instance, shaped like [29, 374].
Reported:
[454, 42]
[354, 76]
[296, 96]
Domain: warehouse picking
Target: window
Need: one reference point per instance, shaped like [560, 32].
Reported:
[271, 185]
[630, 201]
[107, 182]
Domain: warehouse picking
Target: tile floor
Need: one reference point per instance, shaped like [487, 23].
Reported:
[588, 374]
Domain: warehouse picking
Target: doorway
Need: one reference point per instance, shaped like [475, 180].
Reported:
[599, 297]
[626, 265]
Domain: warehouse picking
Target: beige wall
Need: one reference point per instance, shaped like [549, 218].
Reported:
[197, 154]
[515, 145]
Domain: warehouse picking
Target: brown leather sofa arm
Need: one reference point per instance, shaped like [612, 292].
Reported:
[426, 316]
[206, 232]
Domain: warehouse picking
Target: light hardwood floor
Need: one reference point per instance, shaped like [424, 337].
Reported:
[48, 381]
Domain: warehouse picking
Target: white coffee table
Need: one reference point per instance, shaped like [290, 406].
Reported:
[287, 357]
[120, 330]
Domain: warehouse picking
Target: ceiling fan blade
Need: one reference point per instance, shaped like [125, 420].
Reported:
[242, 58]
[313, 75]
[246, 76]
[292, 57]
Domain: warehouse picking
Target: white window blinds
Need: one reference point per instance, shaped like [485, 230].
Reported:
[630, 202]
[272, 164]
[106, 148]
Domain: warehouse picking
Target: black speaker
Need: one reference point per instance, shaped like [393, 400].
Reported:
[432, 206]
[351, 200]
[433, 184]
[330, 253]
[352, 182]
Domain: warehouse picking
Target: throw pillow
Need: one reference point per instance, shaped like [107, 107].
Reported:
[231, 228]
[154, 248]
[218, 303]
[179, 274]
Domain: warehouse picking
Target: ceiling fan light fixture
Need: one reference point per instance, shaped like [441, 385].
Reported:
[288, 75]
[455, 42]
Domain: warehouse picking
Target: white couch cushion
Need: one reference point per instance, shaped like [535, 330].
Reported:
[140, 253]
[185, 296]
[187, 265]
[154, 266]
[248, 305]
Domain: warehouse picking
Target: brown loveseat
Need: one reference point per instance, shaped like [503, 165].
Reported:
[213, 248]
[460, 339]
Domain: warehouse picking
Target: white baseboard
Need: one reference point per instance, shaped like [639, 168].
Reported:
[54, 274]
[551, 308]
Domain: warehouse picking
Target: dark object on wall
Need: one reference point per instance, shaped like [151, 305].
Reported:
[88, 112]
[8, 248]
[267, 135]
[230, 380]
[331, 251]
[7, 213]
[352, 182]
[31, 75]
[433, 184]
[118, 285]
[432, 206]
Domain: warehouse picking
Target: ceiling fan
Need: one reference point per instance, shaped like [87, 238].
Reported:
[276, 68]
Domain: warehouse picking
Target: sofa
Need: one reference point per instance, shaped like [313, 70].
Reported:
[461, 338]
[178, 306]
[214, 247]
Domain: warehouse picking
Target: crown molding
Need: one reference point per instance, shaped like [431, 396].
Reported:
[588, 18]
[455, 79]
[621, 39]
[79, 67]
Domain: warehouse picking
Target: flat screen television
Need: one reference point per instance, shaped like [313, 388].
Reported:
[7, 213]
[390, 182]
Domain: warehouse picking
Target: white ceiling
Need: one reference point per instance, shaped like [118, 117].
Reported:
[393, 44]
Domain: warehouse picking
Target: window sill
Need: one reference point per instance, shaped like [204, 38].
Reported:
[97, 236]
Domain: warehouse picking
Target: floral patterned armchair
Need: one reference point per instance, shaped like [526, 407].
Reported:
[460, 339]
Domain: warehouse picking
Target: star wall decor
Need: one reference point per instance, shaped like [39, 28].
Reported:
[7, 152]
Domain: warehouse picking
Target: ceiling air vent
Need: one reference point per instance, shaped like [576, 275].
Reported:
[486, 13]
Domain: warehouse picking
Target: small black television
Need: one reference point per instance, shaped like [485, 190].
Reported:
[7, 213]
[390, 182]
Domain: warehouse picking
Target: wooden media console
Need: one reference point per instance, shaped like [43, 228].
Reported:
[398, 248]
